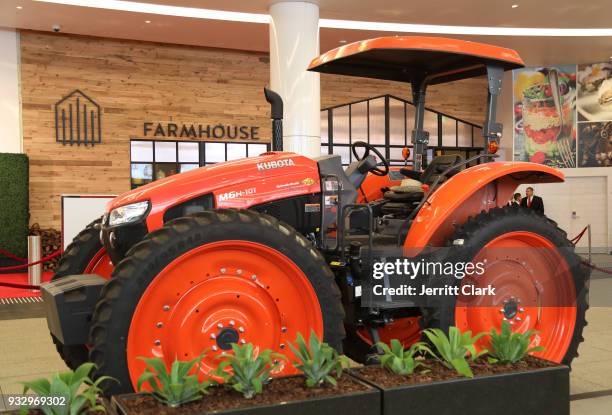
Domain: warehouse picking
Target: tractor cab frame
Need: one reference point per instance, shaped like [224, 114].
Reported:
[420, 62]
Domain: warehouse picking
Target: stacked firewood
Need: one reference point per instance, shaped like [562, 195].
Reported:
[51, 241]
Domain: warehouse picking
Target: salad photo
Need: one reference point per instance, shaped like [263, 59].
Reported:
[544, 115]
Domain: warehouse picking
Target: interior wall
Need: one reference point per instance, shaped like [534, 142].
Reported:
[136, 81]
[10, 105]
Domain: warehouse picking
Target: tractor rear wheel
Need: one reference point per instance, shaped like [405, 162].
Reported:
[84, 255]
[540, 283]
[208, 280]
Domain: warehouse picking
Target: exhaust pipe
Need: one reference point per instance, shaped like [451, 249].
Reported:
[276, 113]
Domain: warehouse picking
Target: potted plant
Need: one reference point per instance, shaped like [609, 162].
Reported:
[248, 388]
[452, 377]
[66, 393]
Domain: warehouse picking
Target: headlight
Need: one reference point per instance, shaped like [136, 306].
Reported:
[128, 213]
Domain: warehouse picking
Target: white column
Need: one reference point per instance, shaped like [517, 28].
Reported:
[10, 105]
[294, 42]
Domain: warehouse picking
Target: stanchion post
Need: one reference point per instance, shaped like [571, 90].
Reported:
[589, 236]
[34, 255]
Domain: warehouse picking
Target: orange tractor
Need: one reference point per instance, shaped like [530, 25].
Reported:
[260, 249]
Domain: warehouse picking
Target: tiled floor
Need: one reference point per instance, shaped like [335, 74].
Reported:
[26, 350]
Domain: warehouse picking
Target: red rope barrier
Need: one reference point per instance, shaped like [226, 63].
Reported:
[604, 270]
[578, 237]
[8, 254]
[45, 259]
[21, 286]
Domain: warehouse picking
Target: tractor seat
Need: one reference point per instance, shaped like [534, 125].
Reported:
[409, 190]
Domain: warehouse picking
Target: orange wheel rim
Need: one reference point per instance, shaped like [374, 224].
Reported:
[534, 291]
[100, 264]
[219, 293]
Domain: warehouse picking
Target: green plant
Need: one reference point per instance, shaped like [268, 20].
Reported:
[76, 387]
[398, 360]
[508, 347]
[455, 349]
[14, 199]
[177, 386]
[249, 371]
[317, 360]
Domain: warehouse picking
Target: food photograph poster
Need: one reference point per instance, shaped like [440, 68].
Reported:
[563, 115]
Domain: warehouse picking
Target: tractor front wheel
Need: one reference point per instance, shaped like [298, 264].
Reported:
[540, 283]
[205, 281]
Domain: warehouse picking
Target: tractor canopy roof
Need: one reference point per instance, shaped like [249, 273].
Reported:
[411, 58]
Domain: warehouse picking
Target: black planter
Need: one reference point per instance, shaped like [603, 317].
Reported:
[541, 391]
[364, 402]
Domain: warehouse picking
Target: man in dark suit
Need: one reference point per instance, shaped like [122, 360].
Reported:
[516, 200]
[532, 201]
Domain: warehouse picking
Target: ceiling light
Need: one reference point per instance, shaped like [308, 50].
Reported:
[514, 6]
[147, 21]
[193, 12]
[179, 11]
[460, 30]
[19, 7]
[343, 41]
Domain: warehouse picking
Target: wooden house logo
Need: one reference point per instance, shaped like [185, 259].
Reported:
[78, 120]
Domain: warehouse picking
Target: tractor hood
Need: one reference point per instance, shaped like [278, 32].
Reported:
[233, 184]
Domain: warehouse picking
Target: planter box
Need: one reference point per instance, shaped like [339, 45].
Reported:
[540, 391]
[363, 402]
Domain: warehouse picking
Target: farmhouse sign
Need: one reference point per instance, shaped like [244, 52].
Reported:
[217, 132]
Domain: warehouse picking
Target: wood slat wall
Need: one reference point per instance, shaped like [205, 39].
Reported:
[136, 81]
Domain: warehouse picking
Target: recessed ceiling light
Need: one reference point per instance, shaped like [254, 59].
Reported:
[343, 41]
[19, 7]
[147, 21]
[198, 13]
[514, 6]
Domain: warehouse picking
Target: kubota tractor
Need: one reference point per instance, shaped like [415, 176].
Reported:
[260, 249]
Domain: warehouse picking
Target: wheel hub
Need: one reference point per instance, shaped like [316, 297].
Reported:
[226, 337]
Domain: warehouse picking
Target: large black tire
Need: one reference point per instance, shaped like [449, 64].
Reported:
[484, 227]
[74, 261]
[144, 261]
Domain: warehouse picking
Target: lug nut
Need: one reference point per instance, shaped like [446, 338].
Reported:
[282, 345]
[241, 329]
[253, 277]
[283, 329]
[213, 336]
[220, 325]
[159, 325]
[223, 270]
[214, 348]
[521, 310]
[501, 310]
[232, 322]
[238, 271]
[157, 342]
[519, 319]
[166, 307]
[242, 341]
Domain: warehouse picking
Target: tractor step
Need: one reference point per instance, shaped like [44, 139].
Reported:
[69, 303]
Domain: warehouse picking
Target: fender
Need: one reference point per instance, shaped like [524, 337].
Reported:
[478, 188]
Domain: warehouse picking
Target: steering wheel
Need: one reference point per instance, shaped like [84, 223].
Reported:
[376, 170]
